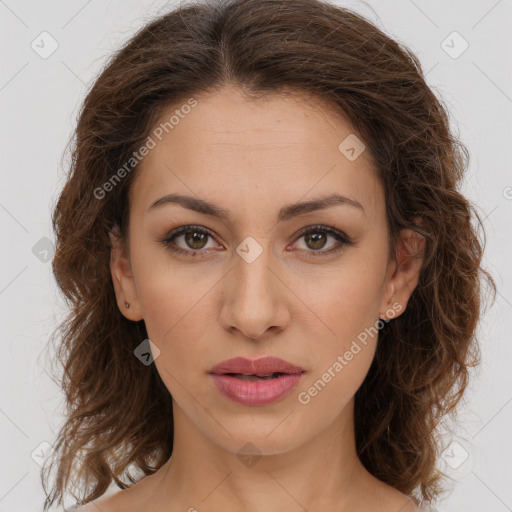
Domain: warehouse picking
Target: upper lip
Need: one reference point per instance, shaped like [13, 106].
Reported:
[262, 366]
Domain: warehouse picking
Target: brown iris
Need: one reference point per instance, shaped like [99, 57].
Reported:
[195, 237]
[318, 240]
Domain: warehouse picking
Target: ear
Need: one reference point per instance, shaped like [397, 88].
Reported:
[122, 278]
[403, 273]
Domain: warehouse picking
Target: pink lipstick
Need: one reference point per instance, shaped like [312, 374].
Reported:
[256, 382]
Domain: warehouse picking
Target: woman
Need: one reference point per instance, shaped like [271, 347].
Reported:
[274, 280]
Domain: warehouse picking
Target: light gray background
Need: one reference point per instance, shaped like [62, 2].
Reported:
[39, 98]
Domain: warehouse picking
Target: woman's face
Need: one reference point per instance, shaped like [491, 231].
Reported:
[252, 283]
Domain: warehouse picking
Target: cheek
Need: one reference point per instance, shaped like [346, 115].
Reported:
[174, 305]
[349, 308]
[176, 323]
[346, 349]
[328, 391]
[346, 301]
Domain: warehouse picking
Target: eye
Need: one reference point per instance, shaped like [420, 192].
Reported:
[195, 239]
[315, 239]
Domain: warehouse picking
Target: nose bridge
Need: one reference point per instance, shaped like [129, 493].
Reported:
[251, 272]
[253, 291]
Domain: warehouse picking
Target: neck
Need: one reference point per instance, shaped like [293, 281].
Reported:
[203, 475]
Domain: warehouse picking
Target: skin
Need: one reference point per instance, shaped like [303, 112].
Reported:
[252, 158]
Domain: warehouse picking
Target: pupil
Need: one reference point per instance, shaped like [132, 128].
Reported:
[318, 240]
[195, 237]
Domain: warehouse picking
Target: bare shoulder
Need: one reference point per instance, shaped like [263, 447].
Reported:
[135, 498]
[390, 498]
[409, 505]
[92, 507]
[131, 499]
[106, 504]
[403, 503]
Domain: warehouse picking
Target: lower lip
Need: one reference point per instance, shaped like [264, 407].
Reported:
[256, 392]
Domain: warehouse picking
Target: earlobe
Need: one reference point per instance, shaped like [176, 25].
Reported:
[122, 278]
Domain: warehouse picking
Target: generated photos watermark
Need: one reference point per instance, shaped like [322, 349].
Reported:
[304, 397]
[149, 144]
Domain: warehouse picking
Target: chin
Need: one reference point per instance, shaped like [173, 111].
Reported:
[266, 437]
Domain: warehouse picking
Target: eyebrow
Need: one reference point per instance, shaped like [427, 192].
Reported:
[286, 213]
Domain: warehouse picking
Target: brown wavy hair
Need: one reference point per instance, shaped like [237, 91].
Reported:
[119, 412]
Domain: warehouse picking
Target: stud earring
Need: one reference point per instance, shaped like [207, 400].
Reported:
[126, 305]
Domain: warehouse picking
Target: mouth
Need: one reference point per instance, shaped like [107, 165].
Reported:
[256, 382]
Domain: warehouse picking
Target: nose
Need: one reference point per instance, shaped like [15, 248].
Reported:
[254, 298]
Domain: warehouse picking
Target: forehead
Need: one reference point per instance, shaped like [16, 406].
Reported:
[246, 152]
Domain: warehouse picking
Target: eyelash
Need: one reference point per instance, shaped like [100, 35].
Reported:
[340, 237]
